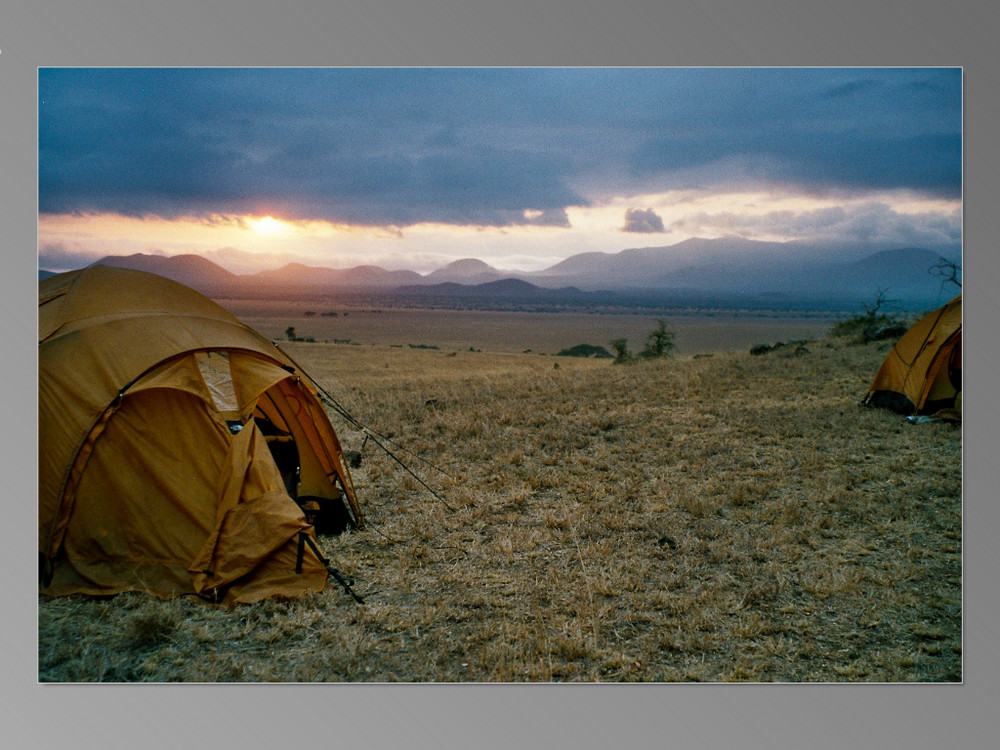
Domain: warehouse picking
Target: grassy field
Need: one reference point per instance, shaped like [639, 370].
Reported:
[703, 518]
[515, 332]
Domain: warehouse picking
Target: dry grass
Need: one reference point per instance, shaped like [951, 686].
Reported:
[514, 331]
[731, 518]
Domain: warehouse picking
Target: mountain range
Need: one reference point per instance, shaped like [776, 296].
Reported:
[695, 271]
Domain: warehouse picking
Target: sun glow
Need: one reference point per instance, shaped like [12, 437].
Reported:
[268, 226]
[249, 243]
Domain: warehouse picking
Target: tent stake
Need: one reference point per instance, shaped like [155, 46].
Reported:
[345, 583]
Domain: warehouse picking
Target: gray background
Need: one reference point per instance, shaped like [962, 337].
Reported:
[511, 33]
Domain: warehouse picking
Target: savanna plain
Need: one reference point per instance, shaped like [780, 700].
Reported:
[714, 516]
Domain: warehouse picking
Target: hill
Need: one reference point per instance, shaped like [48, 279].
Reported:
[465, 271]
[193, 270]
[502, 293]
[903, 272]
[651, 267]
[213, 280]
[727, 267]
[723, 272]
[299, 275]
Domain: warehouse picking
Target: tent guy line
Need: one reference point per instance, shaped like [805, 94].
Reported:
[378, 439]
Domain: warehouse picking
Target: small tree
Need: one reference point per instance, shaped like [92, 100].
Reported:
[873, 324]
[290, 333]
[872, 311]
[620, 348]
[659, 343]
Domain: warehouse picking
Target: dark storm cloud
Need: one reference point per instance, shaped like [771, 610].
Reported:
[477, 146]
[818, 129]
[364, 147]
[642, 220]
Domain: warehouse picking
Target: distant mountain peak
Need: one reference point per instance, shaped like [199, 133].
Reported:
[723, 266]
[471, 265]
[294, 266]
[187, 268]
[506, 288]
[466, 270]
[509, 285]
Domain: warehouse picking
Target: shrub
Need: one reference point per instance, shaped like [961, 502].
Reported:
[872, 324]
[585, 350]
[659, 343]
[622, 353]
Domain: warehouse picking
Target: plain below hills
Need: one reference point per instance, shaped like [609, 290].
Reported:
[702, 273]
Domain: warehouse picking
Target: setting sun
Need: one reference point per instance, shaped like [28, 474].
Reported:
[267, 225]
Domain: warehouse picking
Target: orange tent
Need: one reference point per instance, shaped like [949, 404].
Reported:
[923, 372]
[160, 418]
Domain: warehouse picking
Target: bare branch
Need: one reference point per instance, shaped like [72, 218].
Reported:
[949, 271]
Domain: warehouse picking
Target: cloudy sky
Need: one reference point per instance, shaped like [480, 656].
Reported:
[414, 168]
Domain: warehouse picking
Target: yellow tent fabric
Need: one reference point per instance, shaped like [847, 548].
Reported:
[923, 372]
[153, 472]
